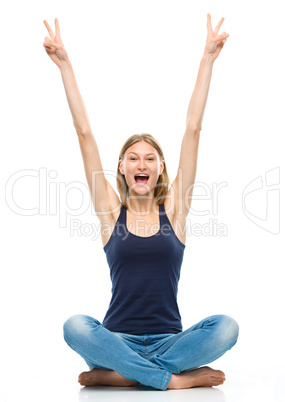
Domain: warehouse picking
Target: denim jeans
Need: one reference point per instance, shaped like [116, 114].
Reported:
[150, 359]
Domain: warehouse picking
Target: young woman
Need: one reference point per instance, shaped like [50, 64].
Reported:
[140, 339]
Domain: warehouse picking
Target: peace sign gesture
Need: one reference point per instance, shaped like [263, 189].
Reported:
[215, 42]
[54, 46]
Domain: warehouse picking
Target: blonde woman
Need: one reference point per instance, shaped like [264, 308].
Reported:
[140, 340]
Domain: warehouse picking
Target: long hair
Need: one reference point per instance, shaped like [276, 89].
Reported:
[161, 187]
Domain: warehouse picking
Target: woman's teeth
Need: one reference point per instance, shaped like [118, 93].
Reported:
[141, 179]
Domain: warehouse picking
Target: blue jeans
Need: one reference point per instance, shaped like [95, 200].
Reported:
[152, 358]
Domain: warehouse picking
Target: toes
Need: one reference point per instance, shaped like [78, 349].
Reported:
[217, 381]
[82, 378]
[220, 374]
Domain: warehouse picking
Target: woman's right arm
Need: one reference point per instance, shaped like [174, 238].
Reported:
[104, 198]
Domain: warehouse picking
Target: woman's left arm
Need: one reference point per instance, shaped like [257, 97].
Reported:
[184, 181]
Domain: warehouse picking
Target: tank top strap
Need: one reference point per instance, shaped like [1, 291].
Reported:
[162, 215]
[122, 216]
[119, 222]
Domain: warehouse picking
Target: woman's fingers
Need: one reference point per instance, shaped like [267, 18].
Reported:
[219, 25]
[221, 37]
[57, 31]
[49, 29]
[47, 46]
[209, 26]
[215, 32]
[49, 43]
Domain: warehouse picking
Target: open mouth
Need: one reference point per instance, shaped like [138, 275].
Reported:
[141, 179]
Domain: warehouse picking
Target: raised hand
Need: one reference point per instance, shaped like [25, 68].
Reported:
[54, 46]
[215, 42]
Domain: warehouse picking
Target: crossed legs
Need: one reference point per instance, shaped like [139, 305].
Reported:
[175, 366]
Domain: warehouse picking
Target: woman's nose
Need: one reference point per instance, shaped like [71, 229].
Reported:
[141, 165]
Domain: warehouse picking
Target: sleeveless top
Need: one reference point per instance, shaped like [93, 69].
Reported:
[144, 272]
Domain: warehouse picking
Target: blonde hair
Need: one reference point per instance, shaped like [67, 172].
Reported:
[161, 187]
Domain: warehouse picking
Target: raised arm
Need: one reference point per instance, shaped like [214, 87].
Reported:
[103, 196]
[185, 179]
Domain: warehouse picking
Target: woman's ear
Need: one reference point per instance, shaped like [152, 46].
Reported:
[161, 167]
[121, 167]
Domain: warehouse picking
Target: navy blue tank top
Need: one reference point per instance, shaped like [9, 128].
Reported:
[144, 272]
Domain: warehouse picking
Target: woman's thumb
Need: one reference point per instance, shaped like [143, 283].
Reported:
[47, 43]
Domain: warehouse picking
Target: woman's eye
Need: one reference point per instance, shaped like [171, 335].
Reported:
[150, 159]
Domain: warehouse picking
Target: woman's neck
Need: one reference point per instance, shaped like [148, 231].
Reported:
[142, 207]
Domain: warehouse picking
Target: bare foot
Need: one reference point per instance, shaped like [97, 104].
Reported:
[201, 377]
[104, 377]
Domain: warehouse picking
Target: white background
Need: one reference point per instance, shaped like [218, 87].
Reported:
[136, 64]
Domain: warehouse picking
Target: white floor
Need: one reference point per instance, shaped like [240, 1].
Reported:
[242, 386]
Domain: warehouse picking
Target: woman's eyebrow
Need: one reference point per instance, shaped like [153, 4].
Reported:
[151, 153]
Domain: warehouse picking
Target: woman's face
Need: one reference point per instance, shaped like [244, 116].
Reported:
[141, 158]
